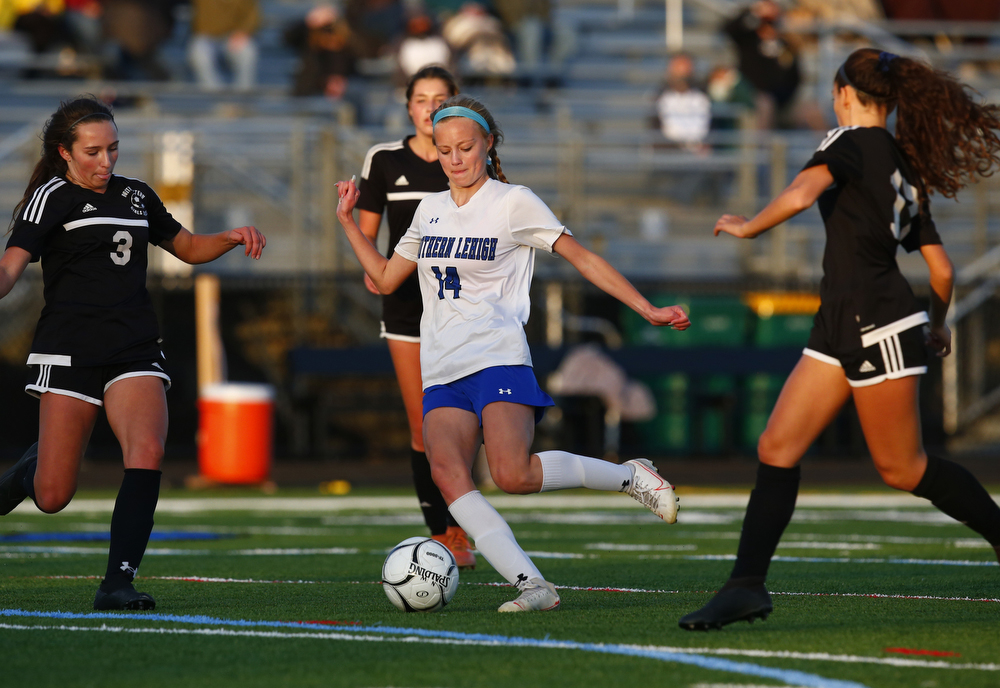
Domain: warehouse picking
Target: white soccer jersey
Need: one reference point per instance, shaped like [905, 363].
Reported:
[475, 264]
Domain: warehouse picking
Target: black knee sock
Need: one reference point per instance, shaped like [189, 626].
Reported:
[772, 503]
[956, 492]
[431, 502]
[131, 524]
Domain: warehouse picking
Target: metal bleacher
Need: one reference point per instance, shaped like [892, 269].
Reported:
[581, 138]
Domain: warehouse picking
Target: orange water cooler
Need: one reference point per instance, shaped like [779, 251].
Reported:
[235, 432]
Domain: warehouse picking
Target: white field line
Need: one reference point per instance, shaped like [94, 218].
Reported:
[578, 588]
[736, 500]
[639, 650]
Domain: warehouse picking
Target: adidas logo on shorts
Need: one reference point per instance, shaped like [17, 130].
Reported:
[866, 367]
[88, 208]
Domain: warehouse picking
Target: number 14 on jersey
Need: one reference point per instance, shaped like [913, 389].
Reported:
[449, 281]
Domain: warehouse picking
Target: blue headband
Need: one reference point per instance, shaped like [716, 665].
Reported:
[884, 59]
[459, 111]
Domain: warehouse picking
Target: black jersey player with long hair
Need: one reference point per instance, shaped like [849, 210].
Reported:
[96, 342]
[870, 337]
[394, 179]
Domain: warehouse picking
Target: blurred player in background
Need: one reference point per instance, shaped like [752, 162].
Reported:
[96, 343]
[473, 249]
[395, 178]
[868, 340]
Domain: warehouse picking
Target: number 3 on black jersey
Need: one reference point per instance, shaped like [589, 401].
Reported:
[449, 281]
[124, 252]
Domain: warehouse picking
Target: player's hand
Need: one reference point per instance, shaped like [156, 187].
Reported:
[370, 286]
[674, 316]
[939, 339]
[731, 224]
[251, 238]
[348, 194]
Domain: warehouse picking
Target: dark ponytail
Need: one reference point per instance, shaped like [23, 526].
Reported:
[432, 72]
[60, 130]
[947, 133]
[493, 169]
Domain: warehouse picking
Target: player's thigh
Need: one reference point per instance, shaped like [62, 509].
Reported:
[508, 431]
[137, 413]
[452, 438]
[810, 399]
[406, 361]
[64, 427]
[890, 418]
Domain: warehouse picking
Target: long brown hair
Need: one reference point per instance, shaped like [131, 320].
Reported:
[493, 168]
[947, 133]
[60, 130]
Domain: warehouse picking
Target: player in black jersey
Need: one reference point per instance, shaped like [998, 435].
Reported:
[96, 343]
[395, 177]
[868, 340]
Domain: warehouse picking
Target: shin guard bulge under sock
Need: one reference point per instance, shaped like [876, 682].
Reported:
[772, 503]
[131, 524]
[493, 537]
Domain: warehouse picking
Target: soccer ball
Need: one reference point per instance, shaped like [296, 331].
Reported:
[419, 575]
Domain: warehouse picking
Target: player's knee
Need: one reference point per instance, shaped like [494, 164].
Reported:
[899, 477]
[53, 498]
[513, 480]
[146, 454]
[770, 449]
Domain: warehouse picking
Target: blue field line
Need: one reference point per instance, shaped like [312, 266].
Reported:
[789, 676]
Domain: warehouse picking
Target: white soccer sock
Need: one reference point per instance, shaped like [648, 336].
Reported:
[493, 537]
[563, 471]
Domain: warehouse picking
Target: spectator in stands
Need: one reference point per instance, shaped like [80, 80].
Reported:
[952, 10]
[83, 19]
[731, 94]
[377, 26]
[477, 37]
[326, 56]
[768, 60]
[41, 22]
[134, 30]
[224, 28]
[422, 45]
[684, 112]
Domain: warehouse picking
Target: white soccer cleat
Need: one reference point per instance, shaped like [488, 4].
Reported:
[652, 491]
[537, 595]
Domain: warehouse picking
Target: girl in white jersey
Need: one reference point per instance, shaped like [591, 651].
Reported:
[96, 343]
[868, 341]
[473, 248]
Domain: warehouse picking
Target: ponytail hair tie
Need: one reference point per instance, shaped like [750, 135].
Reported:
[884, 59]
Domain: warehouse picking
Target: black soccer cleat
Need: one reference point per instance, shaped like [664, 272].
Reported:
[12, 482]
[124, 599]
[729, 605]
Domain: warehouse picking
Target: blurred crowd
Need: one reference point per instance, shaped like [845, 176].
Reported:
[510, 41]
[121, 39]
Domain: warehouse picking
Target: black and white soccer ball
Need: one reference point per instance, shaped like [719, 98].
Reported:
[419, 575]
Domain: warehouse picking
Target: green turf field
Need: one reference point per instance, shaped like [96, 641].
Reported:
[870, 589]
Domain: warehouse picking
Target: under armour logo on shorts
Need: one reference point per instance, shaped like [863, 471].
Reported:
[505, 391]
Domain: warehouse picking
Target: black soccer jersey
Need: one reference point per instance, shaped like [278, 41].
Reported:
[93, 252]
[868, 212]
[395, 179]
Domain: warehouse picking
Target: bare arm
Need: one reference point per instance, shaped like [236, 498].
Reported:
[203, 248]
[385, 273]
[370, 223]
[942, 278]
[12, 265]
[799, 195]
[600, 273]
